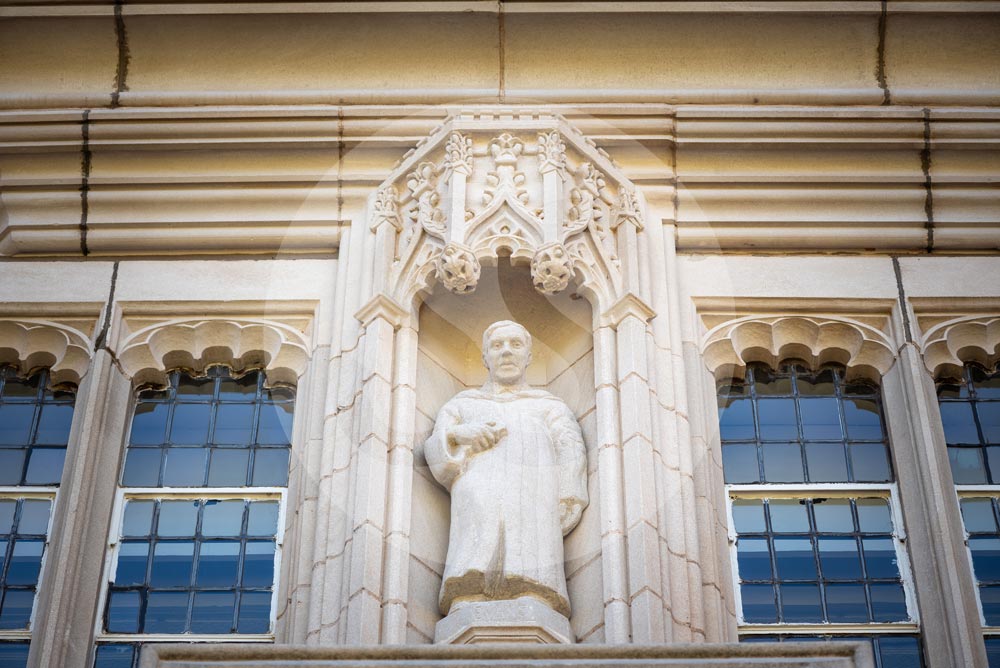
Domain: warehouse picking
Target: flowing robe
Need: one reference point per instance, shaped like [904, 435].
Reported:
[506, 540]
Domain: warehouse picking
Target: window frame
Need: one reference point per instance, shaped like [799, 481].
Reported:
[51, 494]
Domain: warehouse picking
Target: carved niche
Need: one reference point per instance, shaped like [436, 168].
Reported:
[531, 187]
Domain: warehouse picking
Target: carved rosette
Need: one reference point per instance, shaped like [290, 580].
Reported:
[458, 269]
[551, 270]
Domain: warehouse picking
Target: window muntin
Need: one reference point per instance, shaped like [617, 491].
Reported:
[890, 650]
[816, 530]
[196, 541]
[970, 414]
[794, 426]
[34, 429]
[24, 528]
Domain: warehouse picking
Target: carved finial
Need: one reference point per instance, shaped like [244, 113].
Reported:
[628, 209]
[459, 153]
[458, 269]
[551, 269]
[422, 182]
[505, 149]
[386, 209]
[592, 179]
[421, 179]
[551, 152]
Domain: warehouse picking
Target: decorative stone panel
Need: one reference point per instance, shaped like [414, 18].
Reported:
[950, 344]
[29, 344]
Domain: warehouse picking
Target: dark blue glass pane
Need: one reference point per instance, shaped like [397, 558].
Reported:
[54, 424]
[234, 424]
[870, 462]
[739, 463]
[899, 652]
[767, 383]
[185, 467]
[34, 516]
[263, 520]
[149, 424]
[177, 518]
[758, 604]
[736, 419]
[258, 565]
[987, 384]
[959, 425]
[826, 462]
[16, 611]
[270, 467]
[7, 508]
[142, 468]
[989, 420]
[800, 603]
[794, 559]
[820, 385]
[45, 466]
[213, 612]
[14, 654]
[864, 422]
[993, 462]
[845, 603]
[138, 518]
[839, 558]
[172, 564]
[20, 389]
[777, 419]
[218, 564]
[873, 515]
[820, 419]
[753, 558]
[223, 518]
[190, 424]
[255, 612]
[985, 558]
[888, 602]
[748, 516]
[783, 462]
[132, 558]
[199, 389]
[15, 423]
[166, 612]
[25, 562]
[123, 612]
[978, 515]
[11, 466]
[228, 467]
[788, 516]
[238, 389]
[880, 558]
[990, 598]
[993, 652]
[275, 424]
[114, 656]
[967, 465]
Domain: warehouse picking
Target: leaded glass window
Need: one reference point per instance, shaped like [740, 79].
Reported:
[197, 537]
[35, 421]
[816, 533]
[970, 415]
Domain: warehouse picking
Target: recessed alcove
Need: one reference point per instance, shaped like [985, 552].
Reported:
[449, 361]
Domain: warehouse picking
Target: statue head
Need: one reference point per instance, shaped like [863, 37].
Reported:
[506, 352]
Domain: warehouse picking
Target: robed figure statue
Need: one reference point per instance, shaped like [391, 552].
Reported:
[514, 461]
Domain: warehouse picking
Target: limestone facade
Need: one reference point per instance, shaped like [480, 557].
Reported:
[345, 194]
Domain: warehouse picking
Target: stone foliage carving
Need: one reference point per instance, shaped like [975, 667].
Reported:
[551, 269]
[196, 344]
[542, 193]
[31, 344]
[817, 340]
[514, 461]
[949, 345]
[386, 209]
[458, 269]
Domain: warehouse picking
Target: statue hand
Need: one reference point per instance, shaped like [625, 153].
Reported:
[477, 437]
[569, 515]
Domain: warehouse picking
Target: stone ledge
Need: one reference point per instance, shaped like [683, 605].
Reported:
[747, 655]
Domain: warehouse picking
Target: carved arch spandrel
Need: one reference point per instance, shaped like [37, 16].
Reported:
[949, 345]
[197, 343]
[865, 351]
[28, 344]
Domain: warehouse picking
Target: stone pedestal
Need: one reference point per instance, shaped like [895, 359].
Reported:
[523, 620]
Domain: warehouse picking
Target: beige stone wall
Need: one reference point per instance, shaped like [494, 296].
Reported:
[830, 162]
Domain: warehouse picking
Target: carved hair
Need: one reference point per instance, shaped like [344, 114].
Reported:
[504, 323]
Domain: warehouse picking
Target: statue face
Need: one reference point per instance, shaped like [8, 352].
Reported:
[507, 354]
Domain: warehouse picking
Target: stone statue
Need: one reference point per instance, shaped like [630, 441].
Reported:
[514, 461]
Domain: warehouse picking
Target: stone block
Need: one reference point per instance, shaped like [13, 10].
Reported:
[523, 620]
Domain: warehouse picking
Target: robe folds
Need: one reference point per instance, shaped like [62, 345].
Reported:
[505, 539]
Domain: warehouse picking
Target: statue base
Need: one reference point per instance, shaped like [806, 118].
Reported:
[522, 620]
